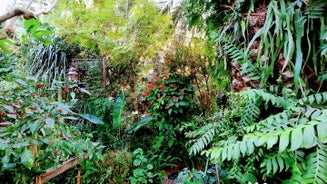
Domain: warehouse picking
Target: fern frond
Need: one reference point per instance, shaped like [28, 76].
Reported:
[278, 121]
[203, 136]
[202, 142]
[278, 162]
[318, 99]
[316, 166]
[250, 114]
[267, 97]
[305, 135]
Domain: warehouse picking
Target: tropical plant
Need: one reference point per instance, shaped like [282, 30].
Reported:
[286, 138]
[142, 171]
[256, 38]
[170, 101]
[34, 133]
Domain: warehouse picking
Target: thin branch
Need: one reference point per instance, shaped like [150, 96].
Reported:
[16, 12]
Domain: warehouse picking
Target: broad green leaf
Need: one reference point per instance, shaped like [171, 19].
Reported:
[8, 166]
[93, 119]
[296, 138]
[142, 122]
[50, 122]
[322, 132]
[27, 158]
[13, 116]
[299, 28]
[236, 151]
[224, 154]
[170, 110]
[275, 165]
[149, 166]
[230, 152]
[3, 146]
[250, 146]
[284, 140]
[85, 91]
[21, 144]
[9, 108]
[34, 126]
[309, 138]
[243, 148]
[271, 141]
[21, 82]
[5, 159]
[280, 163]
[118, 109]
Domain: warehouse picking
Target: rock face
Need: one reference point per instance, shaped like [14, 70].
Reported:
[11, 9]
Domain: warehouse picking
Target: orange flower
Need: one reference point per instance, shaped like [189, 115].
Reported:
[181, 92]
[195, 84]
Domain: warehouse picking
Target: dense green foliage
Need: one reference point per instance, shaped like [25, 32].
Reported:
[227, 92]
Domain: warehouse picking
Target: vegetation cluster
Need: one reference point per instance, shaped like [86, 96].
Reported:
[209, 92]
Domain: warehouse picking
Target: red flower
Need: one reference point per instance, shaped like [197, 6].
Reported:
[159, 96]
[175, 99]
[33, 108]
[33, 95]
[39, 85]
[41, 95]
[190, 98]
[165, 74]
[68, 113]
[55, 152]
[173, 85]
[155, 76]
[150, 86]
[204, 101]
[75, 133]
[195, 84]
[59, 110]
[4, 125]
[145, 93]
[66, 90]
[61, 135]
[163, 88]
[181, 92]
[167, 61]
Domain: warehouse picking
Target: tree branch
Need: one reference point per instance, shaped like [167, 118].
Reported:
[9, 15]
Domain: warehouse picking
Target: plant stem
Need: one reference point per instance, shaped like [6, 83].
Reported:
[217, 173]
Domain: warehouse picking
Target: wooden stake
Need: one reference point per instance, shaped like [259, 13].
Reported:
[79, 175]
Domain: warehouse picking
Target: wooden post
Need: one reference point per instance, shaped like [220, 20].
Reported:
[51, 173]
[79, 175]
[104, 73]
